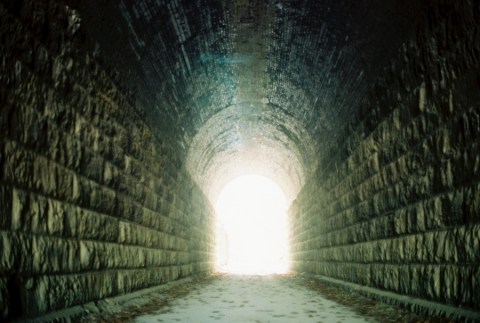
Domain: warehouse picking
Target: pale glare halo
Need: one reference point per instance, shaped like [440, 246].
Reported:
[252, 233]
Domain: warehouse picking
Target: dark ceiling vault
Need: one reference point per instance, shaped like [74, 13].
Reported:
[121, 121]
[249, 85]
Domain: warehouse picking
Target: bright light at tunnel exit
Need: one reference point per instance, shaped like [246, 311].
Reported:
[252, 228]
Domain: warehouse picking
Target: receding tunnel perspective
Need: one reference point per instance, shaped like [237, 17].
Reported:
[252, 229]
[240, 160]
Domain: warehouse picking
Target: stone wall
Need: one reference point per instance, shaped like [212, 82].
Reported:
[395, 204]
[92, 204]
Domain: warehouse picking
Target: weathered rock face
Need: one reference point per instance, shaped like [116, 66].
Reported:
[92, 204]
[395, 204]
[121, 120]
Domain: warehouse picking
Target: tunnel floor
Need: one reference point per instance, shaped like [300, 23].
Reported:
[234, 298]
[254, 298]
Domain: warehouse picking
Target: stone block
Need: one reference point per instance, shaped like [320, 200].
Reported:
[434, 282]
[109, 173]
[450, 286]
[420, 252]
[44, 176]
[400, 222]
[470, 236]
[5, 306]
[55, 217]
[125, 208]
[53, 255]
[20, 206]
[18, 165]
[117, 154]
[54, 292]
[438, 245]
[124, 232]
[404, 280]
[452, 208]
[109, 255]
[9, 252]
[429, 247]
[450, 252]
[37, 213]
[86, 255]
[433, 213]
[415, 274]
[409, 248]
[87, 223]
[466, 290]
[6, 197]
[472, 202]
[131, 280]
[475, 285]
[70, 215]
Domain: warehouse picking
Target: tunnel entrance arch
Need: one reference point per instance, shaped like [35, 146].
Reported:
[252, 227]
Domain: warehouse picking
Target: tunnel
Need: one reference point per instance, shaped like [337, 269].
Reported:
[122, 121]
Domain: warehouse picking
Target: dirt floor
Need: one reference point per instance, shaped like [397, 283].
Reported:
[277, 298]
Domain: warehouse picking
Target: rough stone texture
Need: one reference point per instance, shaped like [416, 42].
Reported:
[249, 86]
[119, 118]
[92, 203]
[395, 203]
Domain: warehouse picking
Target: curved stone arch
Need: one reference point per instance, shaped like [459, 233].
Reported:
[247, 138]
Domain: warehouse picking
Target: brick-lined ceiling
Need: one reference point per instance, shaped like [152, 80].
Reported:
[253, 86]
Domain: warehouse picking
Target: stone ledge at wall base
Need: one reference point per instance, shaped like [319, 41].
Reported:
[113, 305]
[416, 305]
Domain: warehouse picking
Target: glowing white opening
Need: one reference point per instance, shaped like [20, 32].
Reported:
[252, 232]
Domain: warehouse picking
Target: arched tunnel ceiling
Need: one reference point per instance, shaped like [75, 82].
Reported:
[249, 86]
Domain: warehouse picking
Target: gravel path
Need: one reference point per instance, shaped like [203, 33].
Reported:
[230, 298]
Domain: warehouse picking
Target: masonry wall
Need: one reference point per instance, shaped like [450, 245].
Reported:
[91, 203]
[395, 204]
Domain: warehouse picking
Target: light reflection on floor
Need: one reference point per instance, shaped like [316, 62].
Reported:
[232, 298]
